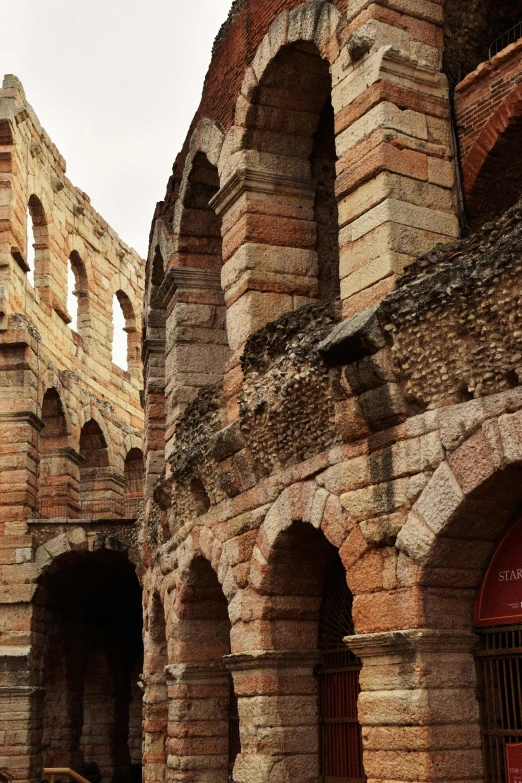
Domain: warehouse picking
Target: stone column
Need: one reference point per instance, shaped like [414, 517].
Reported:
[269, 238]
[396, 184]
[278, 716]
[197, 741]
[196, 346]
[20, 716]
[58, 482]
[418, 707]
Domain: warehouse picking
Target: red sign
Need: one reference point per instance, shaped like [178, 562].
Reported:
[514, 762]
[499, 598]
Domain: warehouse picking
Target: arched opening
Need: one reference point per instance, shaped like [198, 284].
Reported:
[200, 245]
[87, 617]
[310, 606]
[199, 354]
[291, 117]
[58, 466]
[125, 341]
[155, 707]
[78, 295]
[101, 489]
[198, 642]
[133, 473]
[470, 29]
[36, 263]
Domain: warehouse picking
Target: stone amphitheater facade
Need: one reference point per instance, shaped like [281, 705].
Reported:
[333, 434]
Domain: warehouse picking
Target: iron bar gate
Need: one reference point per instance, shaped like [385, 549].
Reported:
[340, 741]
[499, 672]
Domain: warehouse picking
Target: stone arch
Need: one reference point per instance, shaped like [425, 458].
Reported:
[280, 225]
[195, 275]
[293, 564]
[207, 139]
[451, 530]
[496, 152]
[199, 640]
[320, 515]
[87, 641]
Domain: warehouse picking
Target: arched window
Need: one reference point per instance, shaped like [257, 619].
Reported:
[78, 295]
[498, 621]
[125, 342]
[37, 250]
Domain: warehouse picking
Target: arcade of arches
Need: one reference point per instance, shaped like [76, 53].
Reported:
[332, 401]
[302, 573]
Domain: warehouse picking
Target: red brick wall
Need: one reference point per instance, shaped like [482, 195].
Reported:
[481, 93]
[232, 53]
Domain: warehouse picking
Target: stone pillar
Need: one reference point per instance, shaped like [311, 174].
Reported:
[155, 705]
[278, 716]
[196, 346]
[198, 722]
[20, 714]
[58, 482]
[269, 238]
[418, 707]
[395, 184]
[101, 493]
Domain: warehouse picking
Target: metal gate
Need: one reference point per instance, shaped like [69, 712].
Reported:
[499, 671]
[341, 759]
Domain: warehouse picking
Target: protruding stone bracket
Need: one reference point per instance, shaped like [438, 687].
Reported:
[263, 182]
[354, 339]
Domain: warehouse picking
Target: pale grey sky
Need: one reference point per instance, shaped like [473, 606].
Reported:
[115, 83]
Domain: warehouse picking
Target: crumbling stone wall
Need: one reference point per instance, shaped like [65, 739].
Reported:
[56, 386]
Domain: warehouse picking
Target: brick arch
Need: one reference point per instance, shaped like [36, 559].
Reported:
[505, 117]
[451, 530]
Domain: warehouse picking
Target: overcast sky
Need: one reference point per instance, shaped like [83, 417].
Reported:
[115, 83]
